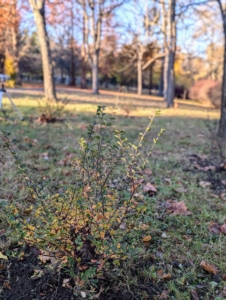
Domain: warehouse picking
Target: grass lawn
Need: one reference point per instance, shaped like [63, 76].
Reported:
[186, 164]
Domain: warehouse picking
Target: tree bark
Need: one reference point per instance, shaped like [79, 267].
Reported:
[150, 78]
[222, 122]
[72, 69]
[2, 62]
[161, 79]
[139, 74]
[170, 56]
[38, 7]
[95, 81]
[83, 74]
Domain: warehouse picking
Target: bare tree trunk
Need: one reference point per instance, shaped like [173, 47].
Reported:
[170, 57]
[2, 62]
[161, 79]
[38, 7]
[139, 74]
[83, 75]
[222, 123]
[150, 78]
[72, 83]
[169, 78]
[15, 42]
[95, 81]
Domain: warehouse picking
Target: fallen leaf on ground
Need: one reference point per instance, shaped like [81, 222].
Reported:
[150, 189]
[214, 227]
[2, 256]
[147, 238]
[45, 257]
[167, 276]
[208, 268]
[147, 172]
[204, 183]
[160, 273]
[223, 166]
[194, 295]
[177, 208]
[210, 168]
[66, 283]
[6, 285]
[223, 228]
[223, 276]
[164, 295]
[123, 226]
[45, 155]
[64, 161]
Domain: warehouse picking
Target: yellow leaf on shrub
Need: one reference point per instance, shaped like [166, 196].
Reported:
[30, 227]
[102, 234]
[147, 238]
[2, 256]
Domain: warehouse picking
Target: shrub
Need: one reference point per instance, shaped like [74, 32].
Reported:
[207, 92]
[100, 219]
[51, 111]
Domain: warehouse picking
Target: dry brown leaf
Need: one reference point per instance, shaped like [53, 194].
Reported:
[223, 166]
[167, 276]
[66, 160]
[160, 273]
[177, 208]
[6, 285]
[150, 189]
[147, 171]
[223, 228]
[147, 239]
[66, 283]
[223, 276]
[123, 226]
[208, 268]
[214, 227]
[194, 295]
[210, 168]
[204, 184]
[164, 295]
[44, 258]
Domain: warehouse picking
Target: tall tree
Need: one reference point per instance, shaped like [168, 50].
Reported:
[169, 33]
[95, 13]
[38, 7]
[222, 123]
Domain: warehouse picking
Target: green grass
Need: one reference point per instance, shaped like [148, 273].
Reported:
[42, 147]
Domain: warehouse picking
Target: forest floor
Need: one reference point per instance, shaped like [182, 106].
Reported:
[186, 256]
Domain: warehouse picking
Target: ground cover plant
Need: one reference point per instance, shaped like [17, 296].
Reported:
[181, 248]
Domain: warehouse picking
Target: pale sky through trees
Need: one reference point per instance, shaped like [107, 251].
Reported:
[187, 27]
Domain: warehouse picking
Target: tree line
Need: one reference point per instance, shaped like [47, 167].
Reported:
[119, 39]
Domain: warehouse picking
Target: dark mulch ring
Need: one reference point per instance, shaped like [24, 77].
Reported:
[26, 277]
